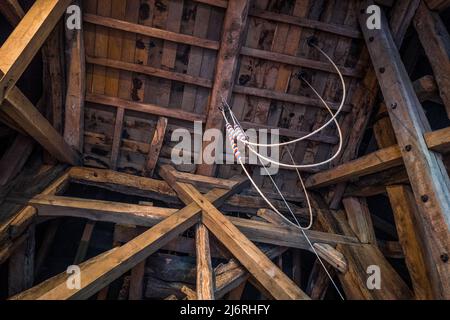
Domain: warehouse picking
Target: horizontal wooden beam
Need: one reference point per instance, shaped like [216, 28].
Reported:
[145, 108]
[150, 31]
[286, 97]
[150, 71]
[26, 39]
[291, 133]
[147, 216]
[340, 30]
[377, 161]
[299, 62]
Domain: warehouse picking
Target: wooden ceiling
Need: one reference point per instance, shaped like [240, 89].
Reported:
[152, 59]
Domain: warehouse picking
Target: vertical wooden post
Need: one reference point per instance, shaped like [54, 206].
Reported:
[76, 86]
[435, 41]
[232, 37]
[205, 273]
[429, 180]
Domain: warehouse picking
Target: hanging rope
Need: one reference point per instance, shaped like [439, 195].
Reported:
[236, 134]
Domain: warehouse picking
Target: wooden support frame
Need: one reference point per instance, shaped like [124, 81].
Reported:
[278, 285]
[377, 161]
[16, 54]
[435, 41]
[233, 27]
[103, 269]
[21, 46]
[428, 177]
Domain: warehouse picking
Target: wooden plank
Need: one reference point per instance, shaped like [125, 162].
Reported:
[205, 274]
[145, 108]
[151, 32]
[202, 18]
[439, 140]
[435, 41]
[151, 71]
[265, 272]
[155, 146]
[299, 62]
[76, 86]
[428, 177]
[359, 219]
[19, 108]
[375, 162]
[12, 11]
[286, 97]
[227, 58]
[26, 39]
[100, 47]
[306, 23]
[406, 214]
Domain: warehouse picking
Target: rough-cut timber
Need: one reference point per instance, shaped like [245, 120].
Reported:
[429, 179]
[435, 41]
[232, 38]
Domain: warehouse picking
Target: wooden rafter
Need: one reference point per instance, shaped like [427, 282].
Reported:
[376, 162]
[232, 38]
[426, 170]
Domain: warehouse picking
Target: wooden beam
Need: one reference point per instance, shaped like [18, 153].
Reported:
[439, 140]
[359, 219]
[80, 256]
[376, 162]
[137, 281]
[102, 270]
[299, 62]
[26, 39]
[406, 214]
[12, 11]
[150, 32]
[438, 5]
[150, 71]
[76, 86]
[232, 37]
[340, 30]
[428, 177]
[205, 273]
[435, 41]
[145, 108]
[19, 108]
[155, 146]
